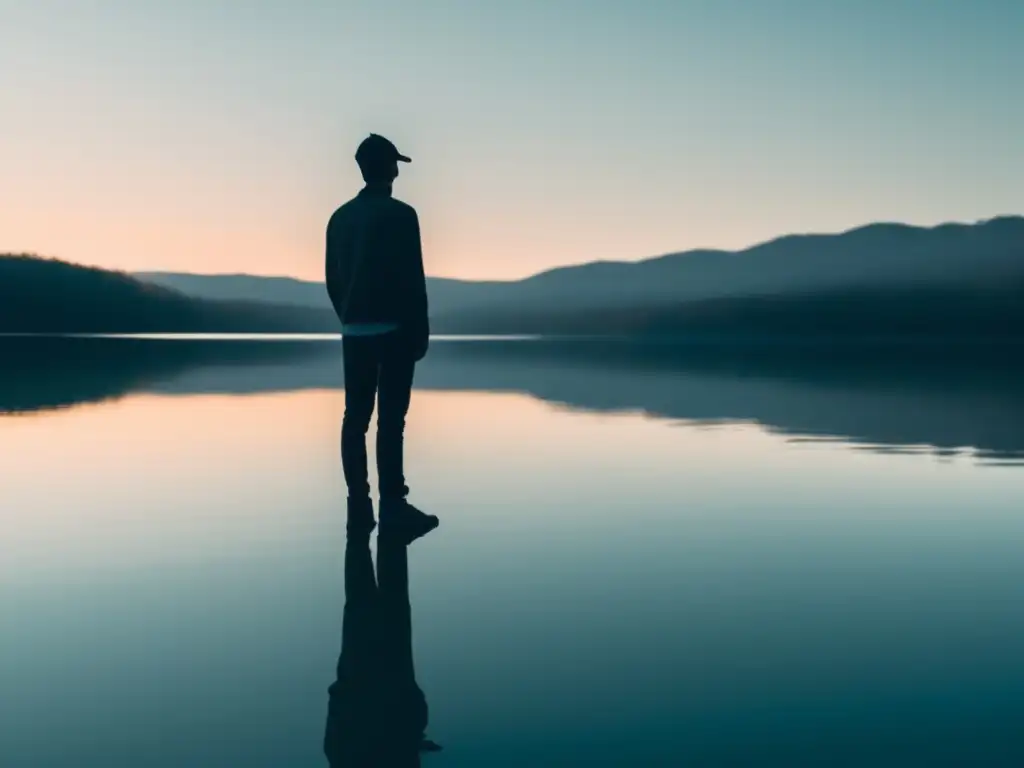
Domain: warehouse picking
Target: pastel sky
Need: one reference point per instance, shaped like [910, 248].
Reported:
[217, 135]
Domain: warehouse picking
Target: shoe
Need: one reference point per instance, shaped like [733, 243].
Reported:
[400, 519]
[360, 516]
[428, 745]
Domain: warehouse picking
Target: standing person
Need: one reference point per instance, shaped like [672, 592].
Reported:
[376, 282]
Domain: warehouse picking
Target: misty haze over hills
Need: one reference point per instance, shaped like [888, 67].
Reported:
[874, 256]
[444, 292]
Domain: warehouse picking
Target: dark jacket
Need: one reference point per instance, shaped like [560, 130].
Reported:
[374, 263]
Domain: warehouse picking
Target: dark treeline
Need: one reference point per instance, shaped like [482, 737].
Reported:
[50, 296]
[976, 310]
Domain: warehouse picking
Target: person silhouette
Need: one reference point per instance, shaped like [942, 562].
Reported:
[376, 283]
[376, 712]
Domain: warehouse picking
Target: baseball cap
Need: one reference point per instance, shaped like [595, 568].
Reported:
[376, 148]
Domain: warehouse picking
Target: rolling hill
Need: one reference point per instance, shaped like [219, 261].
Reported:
[40, 295]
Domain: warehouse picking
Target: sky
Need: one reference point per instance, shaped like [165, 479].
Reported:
[193, 135]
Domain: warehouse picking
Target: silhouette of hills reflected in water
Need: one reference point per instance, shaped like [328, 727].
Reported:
[941, 398]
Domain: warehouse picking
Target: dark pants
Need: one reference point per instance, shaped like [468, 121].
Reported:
[376, 367]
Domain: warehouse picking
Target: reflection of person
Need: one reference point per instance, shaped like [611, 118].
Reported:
[376, 712]
[376, 282]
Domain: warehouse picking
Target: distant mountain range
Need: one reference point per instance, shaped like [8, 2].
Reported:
[876, 278]
[879, 280]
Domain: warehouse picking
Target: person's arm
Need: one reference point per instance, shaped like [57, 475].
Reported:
[332, 269]
[419, 307]
[420, 303]
[331, 265]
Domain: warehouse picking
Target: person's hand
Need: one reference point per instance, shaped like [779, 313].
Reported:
[416, 339]
[421, 346]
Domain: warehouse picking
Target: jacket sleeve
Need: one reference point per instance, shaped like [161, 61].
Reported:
[332, 269]
[419, 308]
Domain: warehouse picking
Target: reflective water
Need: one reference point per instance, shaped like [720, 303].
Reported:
[646, 557]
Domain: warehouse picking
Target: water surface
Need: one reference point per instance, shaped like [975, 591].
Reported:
[645, 558]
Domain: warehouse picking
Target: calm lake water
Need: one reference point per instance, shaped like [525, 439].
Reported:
[647, 556]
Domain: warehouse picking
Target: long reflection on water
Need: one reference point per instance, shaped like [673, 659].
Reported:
[376, 712]
[943, 399]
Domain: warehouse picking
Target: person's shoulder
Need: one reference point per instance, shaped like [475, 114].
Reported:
[342, 212]
[347, 207]
[402, 208]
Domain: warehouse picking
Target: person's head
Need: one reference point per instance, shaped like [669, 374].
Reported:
[378, 160]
